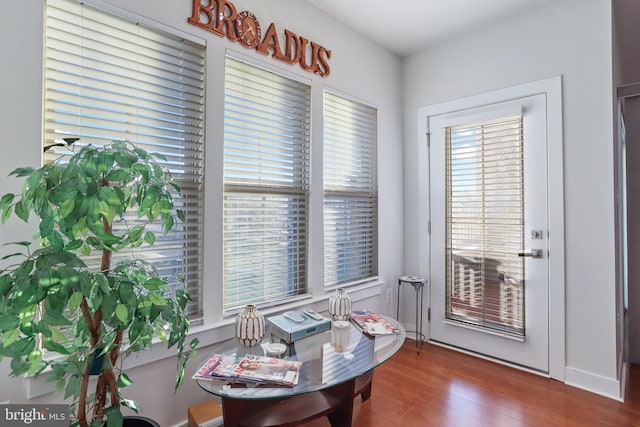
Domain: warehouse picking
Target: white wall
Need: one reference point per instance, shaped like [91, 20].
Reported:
[374, 77]
[572, 39]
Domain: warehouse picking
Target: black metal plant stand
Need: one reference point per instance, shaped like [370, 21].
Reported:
[418, 284]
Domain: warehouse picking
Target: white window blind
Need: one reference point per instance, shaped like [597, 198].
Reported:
[350, 191]
[485, 225]
[109, 78]
[266, 185]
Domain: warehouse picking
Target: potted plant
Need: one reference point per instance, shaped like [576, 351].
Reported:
[100, 201]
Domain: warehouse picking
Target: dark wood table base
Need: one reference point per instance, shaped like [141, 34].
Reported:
[335, 402]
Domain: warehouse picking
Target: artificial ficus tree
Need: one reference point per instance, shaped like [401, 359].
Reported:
[53, 300]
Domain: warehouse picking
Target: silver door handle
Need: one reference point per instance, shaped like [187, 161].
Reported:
[535, 253]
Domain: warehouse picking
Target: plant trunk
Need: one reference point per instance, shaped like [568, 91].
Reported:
[107, 381]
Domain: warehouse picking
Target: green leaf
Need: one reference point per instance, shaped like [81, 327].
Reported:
[149, 237]
[156, 208]
[28, 327]
[56, 347]
[19, 172]
[9, 321]
[46, 226]
[114, 418]
[68, 275]
[102, 282]
[159, 156]
[135, 233]
[122, 313]
[124, 380]
[75, 300]
[120, 145]
[154, 284]
[157, 299]
[131, 405]
[23, 346]
[6, 213]
[10, 337]
[6, 282]
[161, 333]
[135, 329]
[67, 207]
[157, 171]
[49, 278]
[73, 386]
[127, 294]
[109, 195]
[125, 159]
[7, 199]
[143, 171]
[56, 319]
[24, 243]
[24, 270]
[45, 330]
[118, 175]
[18, 365]
[73, 245]
[167, 223]
[35, 357]
[22, 211]
[55, 240]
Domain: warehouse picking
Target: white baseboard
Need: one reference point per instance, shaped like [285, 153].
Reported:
[605, 386]
[216, 422]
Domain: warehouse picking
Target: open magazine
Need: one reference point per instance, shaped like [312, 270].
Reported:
[251, 369]
[372, 323]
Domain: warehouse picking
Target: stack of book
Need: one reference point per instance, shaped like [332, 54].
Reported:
[372, 323]
[250, 369]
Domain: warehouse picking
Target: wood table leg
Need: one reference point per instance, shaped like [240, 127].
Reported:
[342, 416]
[363, 385]
[335, 402]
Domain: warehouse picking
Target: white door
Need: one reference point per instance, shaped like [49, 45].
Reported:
[489, 263]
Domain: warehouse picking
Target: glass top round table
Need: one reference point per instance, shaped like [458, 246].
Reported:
[336, 364]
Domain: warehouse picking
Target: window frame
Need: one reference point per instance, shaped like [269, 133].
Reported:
[367, 193]
[256, 182]
[192, 184]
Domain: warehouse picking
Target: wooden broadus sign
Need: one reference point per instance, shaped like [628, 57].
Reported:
[220, 17]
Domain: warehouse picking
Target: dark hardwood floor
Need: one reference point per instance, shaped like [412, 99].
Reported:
[445, 388]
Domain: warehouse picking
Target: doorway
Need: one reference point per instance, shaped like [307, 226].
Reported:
[495, 230]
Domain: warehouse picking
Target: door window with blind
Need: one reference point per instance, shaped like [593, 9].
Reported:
[109, 78]
[485, 224]
[267, 124]
[350, 191]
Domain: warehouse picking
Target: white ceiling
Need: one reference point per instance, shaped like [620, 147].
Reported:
[408, 26]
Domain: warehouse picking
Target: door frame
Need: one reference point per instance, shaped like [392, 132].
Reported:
[552, 89]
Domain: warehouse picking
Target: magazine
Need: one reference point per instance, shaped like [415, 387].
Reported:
[218, 368]
[249, 369]
[372, 323]
[269, 369]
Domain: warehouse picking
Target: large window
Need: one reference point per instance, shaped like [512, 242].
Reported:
[266, 185]
[110, 78]
[350, 191]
